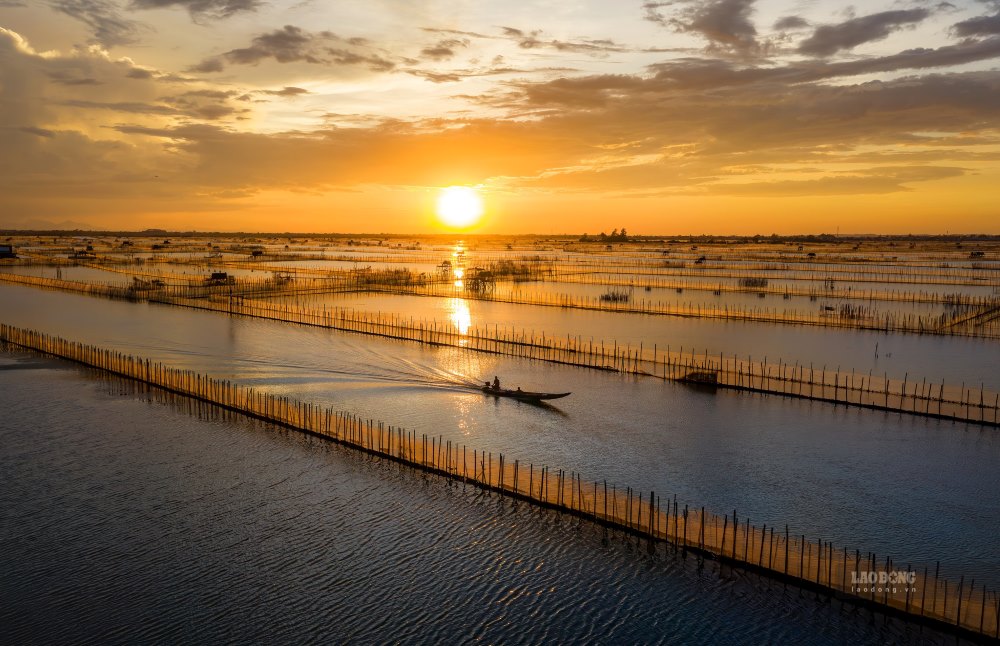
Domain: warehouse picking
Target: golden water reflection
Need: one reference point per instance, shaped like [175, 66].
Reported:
[458, 312]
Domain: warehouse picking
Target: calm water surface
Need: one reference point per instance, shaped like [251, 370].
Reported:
[893, 484]
[952, 358]
[125, 519]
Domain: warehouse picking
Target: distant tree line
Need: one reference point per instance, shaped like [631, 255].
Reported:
[616, 236]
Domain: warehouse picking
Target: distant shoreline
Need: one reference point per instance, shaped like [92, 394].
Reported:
[569, 237]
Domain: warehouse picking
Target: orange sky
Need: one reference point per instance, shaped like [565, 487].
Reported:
[724, 116]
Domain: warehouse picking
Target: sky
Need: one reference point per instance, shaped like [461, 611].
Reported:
[567, 116]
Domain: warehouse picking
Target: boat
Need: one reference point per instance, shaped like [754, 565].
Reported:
[708, 377]
[522, 395]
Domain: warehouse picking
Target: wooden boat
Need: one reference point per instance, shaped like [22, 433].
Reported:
[522, 395]
[707, 377]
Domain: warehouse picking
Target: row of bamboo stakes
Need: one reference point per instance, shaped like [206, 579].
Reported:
[721, 263]
[563, 266]
[925, 259]
[919, 397]
[716, 266]
[252, 286]
[811, 563]
[899, 296]
[807, 270]
[589, 278]
[960, 403]
[978, 316]
[950, 324]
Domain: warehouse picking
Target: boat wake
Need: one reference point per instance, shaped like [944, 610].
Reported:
[316, 359]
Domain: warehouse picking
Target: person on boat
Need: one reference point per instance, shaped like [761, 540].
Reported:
[496, 382]
[519, 389]
[486, 385]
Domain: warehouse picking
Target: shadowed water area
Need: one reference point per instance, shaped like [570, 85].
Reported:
[127, 517]
[894, 484]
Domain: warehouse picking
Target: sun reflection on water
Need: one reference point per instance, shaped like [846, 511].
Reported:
[458, 312]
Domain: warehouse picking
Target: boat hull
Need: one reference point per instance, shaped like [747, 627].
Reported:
[523, 395]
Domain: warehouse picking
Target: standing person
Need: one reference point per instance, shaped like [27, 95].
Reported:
[496, 382]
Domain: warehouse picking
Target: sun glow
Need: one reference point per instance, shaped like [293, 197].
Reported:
[459, 206]
[461, 317]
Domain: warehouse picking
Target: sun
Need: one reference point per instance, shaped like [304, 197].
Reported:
[459, 206]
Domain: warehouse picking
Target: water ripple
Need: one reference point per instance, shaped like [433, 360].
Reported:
[126, 520]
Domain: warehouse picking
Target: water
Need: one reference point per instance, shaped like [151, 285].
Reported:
[953, 359]
[170, 272]
[127, 520]
[74, 272]
[897, 485]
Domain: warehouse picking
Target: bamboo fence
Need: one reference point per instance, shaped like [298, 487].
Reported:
[816, 564]
[261, 287]
[961, 403]
[899, 296]
[976, 323]
[719, 267]
[975, 316]
[919, 397]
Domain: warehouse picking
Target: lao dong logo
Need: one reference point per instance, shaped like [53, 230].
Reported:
[892, 581]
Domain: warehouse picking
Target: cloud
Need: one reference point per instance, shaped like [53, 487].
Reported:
[827, 40]
[208, 66]
[791, 22]
[286, 92]
[202, 8]
[534, 40]
[725, 24]
[124, 106]
[731, 176]
[374, 62]
[588, 91]
[103, 17]
[292, 44]
[41, 132]
[66, 77]
[82, 125]
[78, 90]
[641, 135]
[111, 28]
[207, 104]
[978, 26]
[453, 76]
[285, 45]
[713, 73]
[444, 49]
[139, 73]
[437, 77]
[456, 32]
[871, 181]
[651, 134]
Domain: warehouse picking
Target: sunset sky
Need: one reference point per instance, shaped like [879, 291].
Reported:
[682, 117]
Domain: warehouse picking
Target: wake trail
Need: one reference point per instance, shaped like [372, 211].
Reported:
[358, 361]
